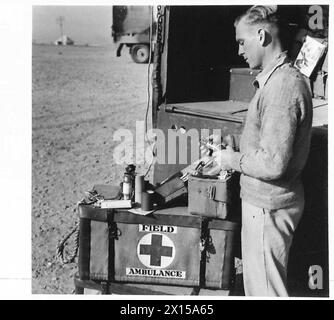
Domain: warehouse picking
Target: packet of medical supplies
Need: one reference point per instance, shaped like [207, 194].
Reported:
[115, 204]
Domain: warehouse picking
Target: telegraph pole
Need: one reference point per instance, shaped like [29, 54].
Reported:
[60, 20]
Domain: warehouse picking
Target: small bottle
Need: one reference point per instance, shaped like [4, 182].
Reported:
[127, 186]
[139, 185]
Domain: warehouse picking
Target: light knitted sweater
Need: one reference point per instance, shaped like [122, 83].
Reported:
[275, 141]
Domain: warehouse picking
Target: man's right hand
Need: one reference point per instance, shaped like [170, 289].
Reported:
[215, 143]
[210, 144]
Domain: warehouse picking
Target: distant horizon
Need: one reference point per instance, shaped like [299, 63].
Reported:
[73, 45]
[83, 24]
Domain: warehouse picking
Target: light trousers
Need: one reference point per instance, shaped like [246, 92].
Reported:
[266, 237]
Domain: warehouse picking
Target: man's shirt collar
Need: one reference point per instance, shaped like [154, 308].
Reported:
[264, 75]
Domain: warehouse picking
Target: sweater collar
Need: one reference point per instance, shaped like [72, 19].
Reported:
[265, 74]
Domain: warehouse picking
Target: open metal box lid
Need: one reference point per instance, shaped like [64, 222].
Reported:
[237, 110]
[229, 109]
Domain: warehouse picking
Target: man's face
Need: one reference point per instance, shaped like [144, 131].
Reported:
[250, 47]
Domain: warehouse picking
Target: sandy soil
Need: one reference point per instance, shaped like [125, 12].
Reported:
[81, 95]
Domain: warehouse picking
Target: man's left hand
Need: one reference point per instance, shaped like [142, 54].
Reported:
[224, 157]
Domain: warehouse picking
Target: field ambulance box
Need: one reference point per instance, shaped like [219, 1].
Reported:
[168, 247]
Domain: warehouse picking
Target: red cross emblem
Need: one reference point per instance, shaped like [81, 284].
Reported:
[156, 250]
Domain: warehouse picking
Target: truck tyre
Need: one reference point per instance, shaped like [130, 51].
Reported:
[140, 53]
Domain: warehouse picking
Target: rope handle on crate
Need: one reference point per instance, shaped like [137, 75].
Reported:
[90, 198]
[60, 249]
[62, 244]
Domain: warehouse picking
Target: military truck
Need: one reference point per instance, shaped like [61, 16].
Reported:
[134, 27]
[200, 82]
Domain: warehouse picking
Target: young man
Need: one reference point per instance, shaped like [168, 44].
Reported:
[274, 148]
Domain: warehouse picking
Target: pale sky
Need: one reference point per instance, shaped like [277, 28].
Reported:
[84, 24]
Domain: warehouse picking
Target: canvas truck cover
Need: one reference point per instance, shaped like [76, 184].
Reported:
[130, 20]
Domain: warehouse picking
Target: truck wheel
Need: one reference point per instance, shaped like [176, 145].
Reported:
[140, 53]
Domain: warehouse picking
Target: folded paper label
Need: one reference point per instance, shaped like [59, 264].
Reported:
[109, 204]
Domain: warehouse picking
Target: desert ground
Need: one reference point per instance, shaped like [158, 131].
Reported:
[80, 97]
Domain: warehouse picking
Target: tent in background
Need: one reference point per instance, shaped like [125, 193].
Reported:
[64, 41]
